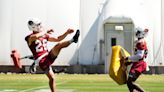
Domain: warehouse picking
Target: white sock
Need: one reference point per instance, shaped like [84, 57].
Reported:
[71, 41]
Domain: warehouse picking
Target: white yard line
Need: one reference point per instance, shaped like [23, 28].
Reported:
[41, 87]
[58, 90]
[8, 90]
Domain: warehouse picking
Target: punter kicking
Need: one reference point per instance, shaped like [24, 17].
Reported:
[37, 42]
[138, 60]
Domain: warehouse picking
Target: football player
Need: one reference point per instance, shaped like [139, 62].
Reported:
[137, 60]
[37, 42]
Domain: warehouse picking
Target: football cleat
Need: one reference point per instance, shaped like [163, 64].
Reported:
[33, 68]
[76, 36]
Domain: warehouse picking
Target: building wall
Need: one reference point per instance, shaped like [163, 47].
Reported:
[5, 27]
[89, 16]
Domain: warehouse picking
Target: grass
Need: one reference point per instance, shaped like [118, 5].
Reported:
[75, 82]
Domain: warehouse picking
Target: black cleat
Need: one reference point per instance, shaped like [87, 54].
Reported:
[32, 68]
[76, 36]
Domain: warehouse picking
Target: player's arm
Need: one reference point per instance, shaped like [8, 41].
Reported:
[61, 37]
[37, 35]
[139, 55]
[33, 37]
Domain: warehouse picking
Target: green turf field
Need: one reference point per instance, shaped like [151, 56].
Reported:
[74, 83]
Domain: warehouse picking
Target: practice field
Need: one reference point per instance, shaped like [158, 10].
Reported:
[74, 83]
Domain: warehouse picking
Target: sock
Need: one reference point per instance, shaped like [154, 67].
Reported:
[71, 41]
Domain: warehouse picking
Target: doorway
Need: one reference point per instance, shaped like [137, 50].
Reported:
[117, 34]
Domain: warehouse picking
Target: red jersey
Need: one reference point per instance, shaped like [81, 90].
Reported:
[140, 66]
[141, 45]
[39, 46]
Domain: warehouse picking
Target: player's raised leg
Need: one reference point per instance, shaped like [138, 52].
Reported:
[56, 49]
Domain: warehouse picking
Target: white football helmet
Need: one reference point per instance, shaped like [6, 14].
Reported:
[35, 24]
[141, 33]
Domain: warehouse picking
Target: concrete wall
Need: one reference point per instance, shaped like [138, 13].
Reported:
[75, 69]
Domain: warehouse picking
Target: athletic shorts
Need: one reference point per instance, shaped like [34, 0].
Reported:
[138, 67]
[45, 62]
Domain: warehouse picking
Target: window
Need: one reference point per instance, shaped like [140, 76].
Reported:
[113, 41]
[119, 28]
